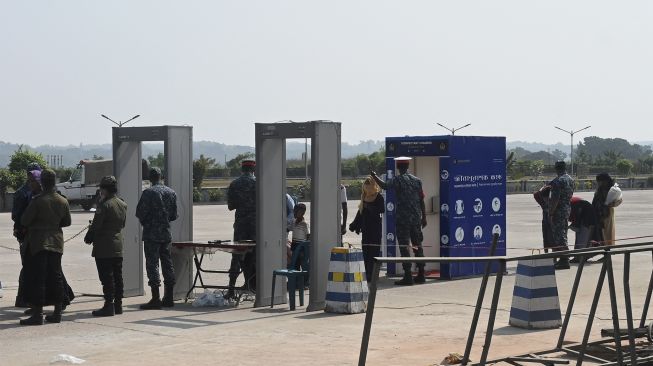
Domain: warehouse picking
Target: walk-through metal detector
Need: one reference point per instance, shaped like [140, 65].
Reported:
[271, 233]
[178, 175]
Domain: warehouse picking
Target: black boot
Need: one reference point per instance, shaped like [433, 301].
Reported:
[107, 309]
[117, 306]
[155, 303]
[563, 263]
[35, 319]
[406, 281]
[420, 278]
[55, 317]
[168, 301]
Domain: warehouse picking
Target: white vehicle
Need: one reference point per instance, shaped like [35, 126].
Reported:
[83, 186]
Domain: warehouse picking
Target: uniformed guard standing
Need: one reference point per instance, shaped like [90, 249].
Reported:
[105, 234]
[241, 196]
[411, 217]
[562, 188]
[155, 210]
[44, 217]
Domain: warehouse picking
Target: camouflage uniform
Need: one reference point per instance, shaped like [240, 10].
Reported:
[561, 191]
[409, 194]
[155, 210]
[241, 196]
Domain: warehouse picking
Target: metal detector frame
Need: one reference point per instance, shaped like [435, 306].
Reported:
[178, 175]
[271, 232]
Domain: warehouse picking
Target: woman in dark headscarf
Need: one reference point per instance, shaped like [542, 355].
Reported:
[605, 211]
[368, 221]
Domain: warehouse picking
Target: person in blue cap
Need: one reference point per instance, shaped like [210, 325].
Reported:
[155, 210]
[411, 217]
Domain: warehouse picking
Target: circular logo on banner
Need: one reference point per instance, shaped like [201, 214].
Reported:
[444, 174]
[496, 204]
[444, 239]
[460, 207]
[478, 233]
[496, 229]
[460, 234]
[478, 205]
[390, 207]
[444, 208]
[390, 237]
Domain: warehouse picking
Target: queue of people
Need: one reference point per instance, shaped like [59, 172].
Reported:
[593, 223]
[39, 214]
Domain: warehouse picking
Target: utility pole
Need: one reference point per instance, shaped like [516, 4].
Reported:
[571, 150]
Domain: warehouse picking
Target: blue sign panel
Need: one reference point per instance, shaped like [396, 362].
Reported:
[472, 196]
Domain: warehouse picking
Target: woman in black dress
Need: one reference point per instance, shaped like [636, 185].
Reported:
[368, 221]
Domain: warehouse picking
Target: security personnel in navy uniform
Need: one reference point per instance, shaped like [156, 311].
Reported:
[411, 217]
[155, 210]
[105, 234]
[22, 198]
[241, 196]
[562, 188]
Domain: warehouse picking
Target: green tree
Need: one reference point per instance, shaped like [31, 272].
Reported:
[510, 163]
[156, 161]
[19, 161]
[200, 166]
[624, 167]
[234, 164]
[377, 160]
[6, 181]
[536, 168]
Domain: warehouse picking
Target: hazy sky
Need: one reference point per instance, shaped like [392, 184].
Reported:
[382, 68]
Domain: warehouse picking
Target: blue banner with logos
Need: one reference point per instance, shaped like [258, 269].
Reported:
[472, 196]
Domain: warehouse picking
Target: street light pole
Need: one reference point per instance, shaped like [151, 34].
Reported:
[453, 130]
[571, 151]
[120, 124]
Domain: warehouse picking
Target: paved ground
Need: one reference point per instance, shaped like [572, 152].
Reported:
[417, 325]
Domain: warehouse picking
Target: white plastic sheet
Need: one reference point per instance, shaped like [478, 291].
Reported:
[212, 298]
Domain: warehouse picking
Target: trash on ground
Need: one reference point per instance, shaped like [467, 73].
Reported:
[67, 359]
[213, 298]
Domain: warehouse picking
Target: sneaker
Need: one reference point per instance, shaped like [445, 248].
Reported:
[419, 279]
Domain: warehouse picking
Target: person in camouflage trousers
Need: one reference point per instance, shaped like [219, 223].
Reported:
[410, 217]
[562, 188]
[241, 196]
[155, 210]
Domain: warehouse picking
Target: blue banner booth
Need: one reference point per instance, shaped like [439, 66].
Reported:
[464, 182]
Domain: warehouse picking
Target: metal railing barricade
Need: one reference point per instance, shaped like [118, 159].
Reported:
[577, 350]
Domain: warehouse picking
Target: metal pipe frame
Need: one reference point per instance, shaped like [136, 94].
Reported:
[606, 271]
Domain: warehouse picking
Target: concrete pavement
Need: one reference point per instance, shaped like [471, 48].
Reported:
[416, 325]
